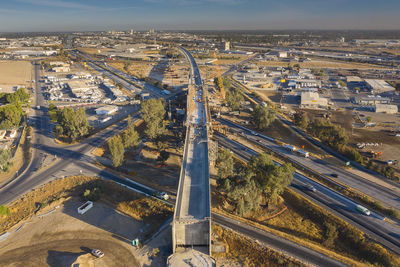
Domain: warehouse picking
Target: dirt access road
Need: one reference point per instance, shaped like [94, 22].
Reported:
[65, 238]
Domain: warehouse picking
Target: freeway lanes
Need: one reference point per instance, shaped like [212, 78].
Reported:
[389, 196]
[280, 244]
[381, 231]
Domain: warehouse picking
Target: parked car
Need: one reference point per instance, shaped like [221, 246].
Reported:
[97, 253]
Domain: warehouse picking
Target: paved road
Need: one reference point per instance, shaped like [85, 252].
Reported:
[389, 196]
[383, 232]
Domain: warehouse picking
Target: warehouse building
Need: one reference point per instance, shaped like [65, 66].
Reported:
[378, 86]
[371, 100]
[388, 109]
[312, 100]
[106, 110]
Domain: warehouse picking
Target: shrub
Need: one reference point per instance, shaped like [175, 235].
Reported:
[4, 210]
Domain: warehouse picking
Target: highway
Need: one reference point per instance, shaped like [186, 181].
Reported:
[74, 160]
[389, 196]
[383, 232]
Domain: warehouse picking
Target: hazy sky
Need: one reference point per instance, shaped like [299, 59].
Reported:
[73, 15]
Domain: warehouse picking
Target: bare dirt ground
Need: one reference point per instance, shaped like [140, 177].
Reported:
[61, 237]
[13, 73]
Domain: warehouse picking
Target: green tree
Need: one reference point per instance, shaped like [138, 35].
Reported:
[301, 119]
[271, 178]
[153, 113]
[220, 82]
[263, 117]
[5, 156]
[224, 163]
[116, 149]
[74, 123]
[10, 115]
[233, 98]
[130, 137]
[4, 210]
[163, 157]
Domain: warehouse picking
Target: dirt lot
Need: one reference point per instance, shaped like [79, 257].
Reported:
[61, 237]
[13, 73]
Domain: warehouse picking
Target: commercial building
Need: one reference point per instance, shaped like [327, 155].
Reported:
[389, 109]
[312, 100]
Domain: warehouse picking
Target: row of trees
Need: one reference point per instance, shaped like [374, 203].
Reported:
[72, 124]
[333, 135]
[18, 97]
[262, 116]
[117, 145]
[250, 186]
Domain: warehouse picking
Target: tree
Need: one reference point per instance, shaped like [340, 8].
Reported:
[220, 82]
[233, 98]
[163, 157]
[10, 115]
[74, 123]
[130, 137]
[153, 113]
[301, 119]
[224, 163]
[263, 117]
[5, 156]
[19, 96]
[116, 149]
[271, 178]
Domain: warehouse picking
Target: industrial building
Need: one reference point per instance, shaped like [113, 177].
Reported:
[378, 86]
[312, 100]
[226, 46]
[106, 110]
[307, 83]
[371, 100]
[388, 109]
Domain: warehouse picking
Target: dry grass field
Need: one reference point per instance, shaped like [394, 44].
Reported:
[14, 73]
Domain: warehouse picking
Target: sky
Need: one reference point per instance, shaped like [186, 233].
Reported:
[98, 15]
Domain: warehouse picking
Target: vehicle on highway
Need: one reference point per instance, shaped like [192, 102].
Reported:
[162, 195]
[97, 253]
[363, 210]
[334, 175]
[37, 107]
[311, 188]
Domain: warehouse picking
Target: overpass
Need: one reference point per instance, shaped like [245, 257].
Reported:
[191, 229]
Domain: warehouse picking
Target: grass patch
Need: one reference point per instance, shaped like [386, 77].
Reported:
[248, 252]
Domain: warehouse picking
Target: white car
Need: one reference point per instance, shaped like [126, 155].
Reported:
[97, 253]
